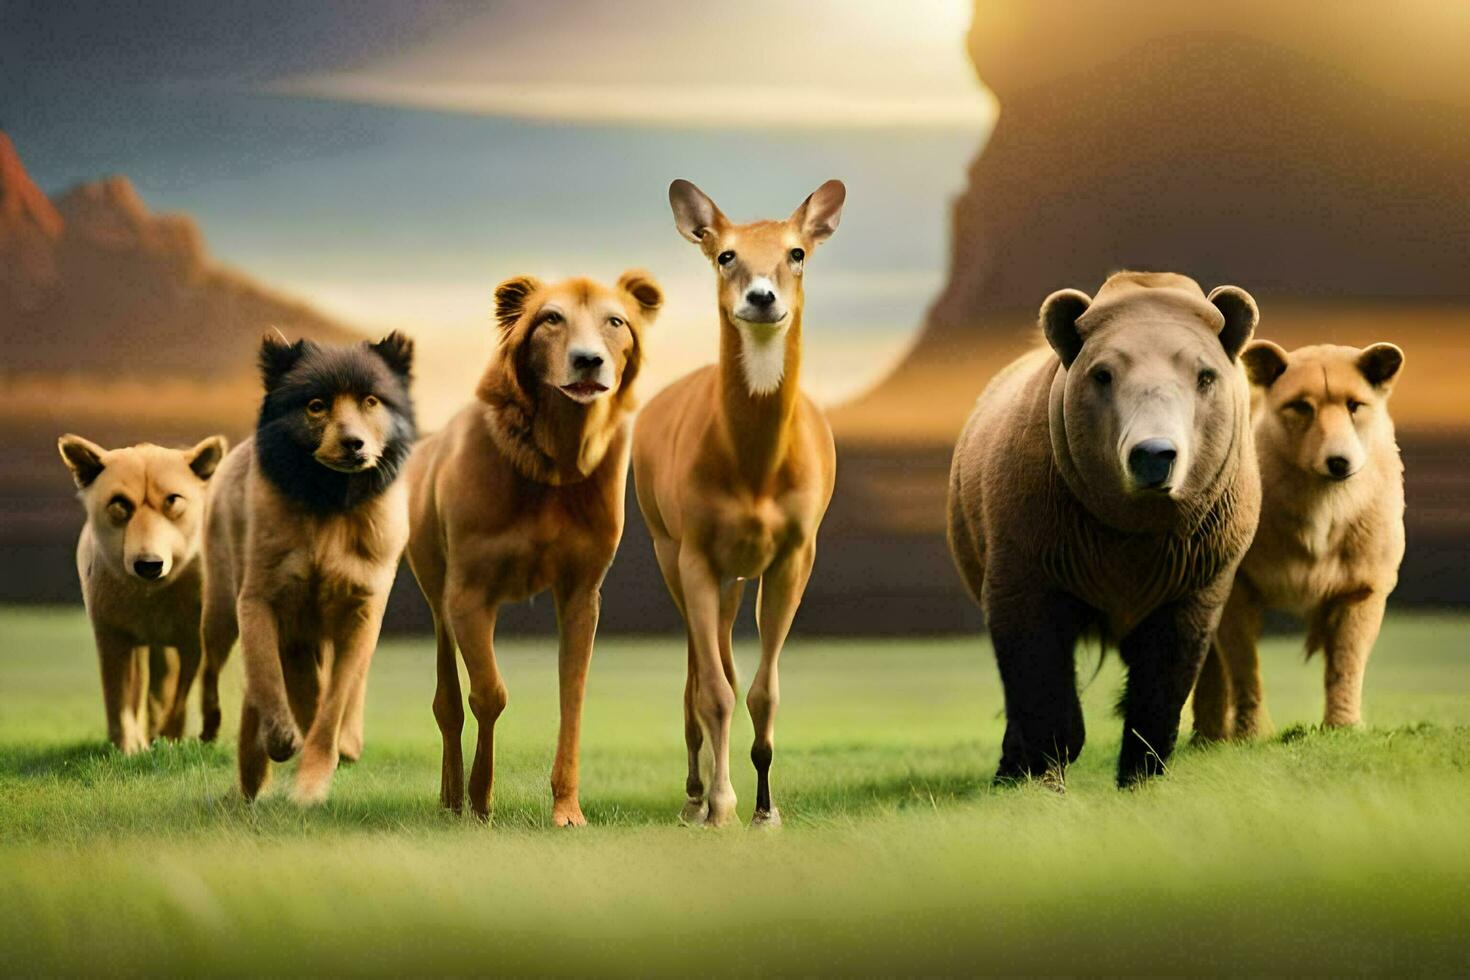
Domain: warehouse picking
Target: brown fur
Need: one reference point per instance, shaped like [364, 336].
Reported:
[521, 492]
[734, 468]
[1052, 538]
[304, 588]
[1329, 546]
[144, 504]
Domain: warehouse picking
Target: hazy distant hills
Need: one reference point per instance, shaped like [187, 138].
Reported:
[92, 283]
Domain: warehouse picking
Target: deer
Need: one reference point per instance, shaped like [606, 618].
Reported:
[734, 467]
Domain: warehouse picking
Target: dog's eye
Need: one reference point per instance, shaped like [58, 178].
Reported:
[797, 254]
[1353, 406]
[316, 407]
[1103, 377]
[371, 401]
[1300, 407]
[725, 258]
[174, 503]
[616, 321]
[1206, 379]
[551, 316]
[120, 509]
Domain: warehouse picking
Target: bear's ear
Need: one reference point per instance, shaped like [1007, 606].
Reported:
[1241, 317]
[819, 214]
[205, 457]
[695, 215]
[510, 299]
[1059, 313]
[1264, 363]
[277, 357]
[645, 292]
[396, 350]
[1380, 364]
[83, 457]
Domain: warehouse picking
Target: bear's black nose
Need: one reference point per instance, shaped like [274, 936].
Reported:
[1151, 461]
[1337, 466]
[148, 567]
[761, 298]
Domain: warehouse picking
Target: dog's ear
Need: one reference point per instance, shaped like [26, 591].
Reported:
[277, 357]
[83, 457]
[1241, 317]
[1380, 364]
[510, 299]
[695, 215]
[1059, 313]
[819, 214]
[645, 292]
[396, 350]
[1264, 363]
[205, 457]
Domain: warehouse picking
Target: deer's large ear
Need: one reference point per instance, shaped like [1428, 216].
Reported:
[205, 458]
[510, 299]
[695, 215]
[1241, 317]
[820, 212]
[1059, 313]
[1264, 363]
[277, 357]
[396, 350]
[645, 292]
[1380, 364]
[83, 457]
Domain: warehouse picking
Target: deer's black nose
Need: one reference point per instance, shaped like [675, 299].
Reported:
[1151, 462]
[586, 362]
[148, 566]
[1338, 466]
[762, 298]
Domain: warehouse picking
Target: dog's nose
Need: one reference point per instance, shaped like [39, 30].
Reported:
[586, 362]
[353, 444]
[762, 298]
[1151, 462]
[148, 566]
[1338, 466]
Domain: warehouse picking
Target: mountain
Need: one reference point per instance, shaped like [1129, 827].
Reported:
[94, 284]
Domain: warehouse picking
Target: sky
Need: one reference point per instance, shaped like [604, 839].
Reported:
[390, 163]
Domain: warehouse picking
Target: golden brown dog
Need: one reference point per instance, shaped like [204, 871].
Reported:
[734, 468]
[305, 529]
[137, 557]
[1332, 528]
[521, 492]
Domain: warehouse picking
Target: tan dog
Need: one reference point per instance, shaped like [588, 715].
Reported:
[521, 492]
[734, 469]
[137, 559]
[305, 529]
[1332, 528]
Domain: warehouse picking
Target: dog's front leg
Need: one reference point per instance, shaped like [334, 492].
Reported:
[577, 609]
[116, 656]
[265, 683]
[1351, 628]
[354, 639]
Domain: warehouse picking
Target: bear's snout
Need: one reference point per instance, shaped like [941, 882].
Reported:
[1151, 463]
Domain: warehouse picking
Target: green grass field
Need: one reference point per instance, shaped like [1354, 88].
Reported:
[1313, 852]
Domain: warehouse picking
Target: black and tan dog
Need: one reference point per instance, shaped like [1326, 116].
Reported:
[523, 491]
[304, 533]
[138, 560]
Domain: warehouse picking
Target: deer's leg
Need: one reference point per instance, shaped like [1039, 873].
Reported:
[714, 699]
[780, 594]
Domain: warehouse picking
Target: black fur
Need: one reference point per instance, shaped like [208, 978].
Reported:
[296, 373]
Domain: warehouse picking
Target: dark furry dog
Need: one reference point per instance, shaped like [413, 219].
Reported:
[304, 532]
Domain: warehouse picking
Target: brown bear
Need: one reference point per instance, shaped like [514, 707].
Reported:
[1108, 486]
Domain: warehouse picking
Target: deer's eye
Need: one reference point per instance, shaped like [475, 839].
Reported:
[725, 258]
[797, 254]
[1103, 377]
[1206, 379]
[617, 321]
[316, 406]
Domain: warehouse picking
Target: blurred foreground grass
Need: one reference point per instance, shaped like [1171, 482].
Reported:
[1317, 852]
